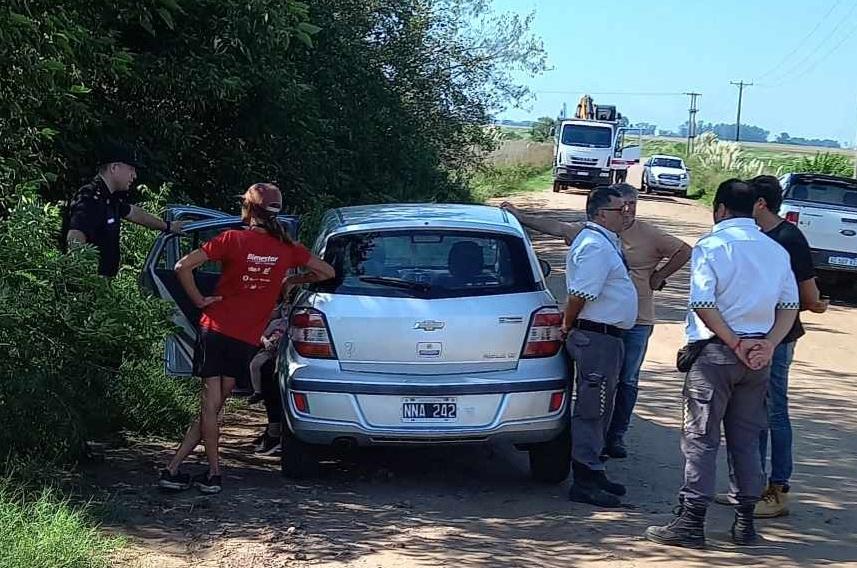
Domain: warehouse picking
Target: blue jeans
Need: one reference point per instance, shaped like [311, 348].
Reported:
[636, 342]
[779, 425]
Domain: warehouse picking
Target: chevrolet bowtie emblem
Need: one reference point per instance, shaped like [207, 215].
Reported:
[429, 325]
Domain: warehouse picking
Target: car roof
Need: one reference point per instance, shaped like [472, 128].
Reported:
[666, 156]
[406, 215]
[807, 176]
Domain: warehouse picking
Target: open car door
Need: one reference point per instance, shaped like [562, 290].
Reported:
[629, 148]
[160, 278]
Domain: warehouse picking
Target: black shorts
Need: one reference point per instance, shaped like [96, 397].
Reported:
[219, 356]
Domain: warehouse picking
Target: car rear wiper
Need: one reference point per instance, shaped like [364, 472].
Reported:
[396, 282]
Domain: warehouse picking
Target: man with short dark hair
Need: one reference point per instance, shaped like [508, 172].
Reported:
[601, 306]
[743, 302]
[769, 193]
[653, 256]
[96, 211]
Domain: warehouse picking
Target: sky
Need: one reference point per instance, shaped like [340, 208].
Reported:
[801, 55]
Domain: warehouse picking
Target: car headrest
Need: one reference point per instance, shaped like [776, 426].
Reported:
[465, 259]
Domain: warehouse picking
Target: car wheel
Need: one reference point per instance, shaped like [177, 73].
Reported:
[550, 462]
[681, 193]
[556, 187]
[298, 460]
[644, 187]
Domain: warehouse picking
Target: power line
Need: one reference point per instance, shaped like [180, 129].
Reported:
[801, 42]
[827, 54]
[784, 77]
[628, 93]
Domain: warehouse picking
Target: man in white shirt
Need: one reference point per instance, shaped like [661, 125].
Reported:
[601, 306]
[653, 255]
[743, 302]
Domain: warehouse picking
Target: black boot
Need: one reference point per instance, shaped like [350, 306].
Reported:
[585, 489]
[687, 529]
[743, 531]
[605, 484]
[616, 449]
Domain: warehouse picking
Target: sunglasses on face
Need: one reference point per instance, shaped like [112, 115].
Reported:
[624, 208]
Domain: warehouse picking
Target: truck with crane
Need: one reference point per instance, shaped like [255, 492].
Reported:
[594, 147]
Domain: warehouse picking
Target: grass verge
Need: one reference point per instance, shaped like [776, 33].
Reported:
[43, 530]
[499, 181]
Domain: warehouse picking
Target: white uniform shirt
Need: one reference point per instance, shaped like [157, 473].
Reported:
[596, 272]
[743, 273]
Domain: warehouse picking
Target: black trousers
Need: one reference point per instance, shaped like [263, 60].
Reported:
[271, 393]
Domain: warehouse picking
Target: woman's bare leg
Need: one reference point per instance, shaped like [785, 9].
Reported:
[215, 393]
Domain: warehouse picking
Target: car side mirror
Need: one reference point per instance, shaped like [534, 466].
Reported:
[545, 266]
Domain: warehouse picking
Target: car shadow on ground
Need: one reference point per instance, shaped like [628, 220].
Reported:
[474, 506]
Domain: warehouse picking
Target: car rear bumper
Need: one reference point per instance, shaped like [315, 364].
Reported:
[367, 415]
[834, 260]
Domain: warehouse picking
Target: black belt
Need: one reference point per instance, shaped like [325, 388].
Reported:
[587, 325]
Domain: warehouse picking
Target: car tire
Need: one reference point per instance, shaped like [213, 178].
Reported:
[557, 187]
[550, 462]
[298, 460]
[644, 187]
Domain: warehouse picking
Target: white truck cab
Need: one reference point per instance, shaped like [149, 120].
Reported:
[592, 149]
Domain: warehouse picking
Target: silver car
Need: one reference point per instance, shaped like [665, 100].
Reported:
[438, 329]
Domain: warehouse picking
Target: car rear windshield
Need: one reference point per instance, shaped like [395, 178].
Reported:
[588, 136]
[667, 163]
[828, 193]
[428, 264]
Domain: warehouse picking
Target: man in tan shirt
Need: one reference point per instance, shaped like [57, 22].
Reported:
[646, 247]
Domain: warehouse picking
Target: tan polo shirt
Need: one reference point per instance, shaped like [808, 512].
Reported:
[645, 247]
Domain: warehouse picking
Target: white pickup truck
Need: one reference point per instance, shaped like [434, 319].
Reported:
[825, 209]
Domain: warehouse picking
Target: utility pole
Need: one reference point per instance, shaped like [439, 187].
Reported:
[740, 85]
[691, 121]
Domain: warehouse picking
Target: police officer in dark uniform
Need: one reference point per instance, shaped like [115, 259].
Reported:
[97, 209]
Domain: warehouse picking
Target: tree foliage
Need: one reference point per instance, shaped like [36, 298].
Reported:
[341, 101]
[541, 130]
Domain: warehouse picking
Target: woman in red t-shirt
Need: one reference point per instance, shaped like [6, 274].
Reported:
[255, 261]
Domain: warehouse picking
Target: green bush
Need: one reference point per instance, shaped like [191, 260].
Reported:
[826, 163]
[497, 180]
[46, 531]
[78, 352]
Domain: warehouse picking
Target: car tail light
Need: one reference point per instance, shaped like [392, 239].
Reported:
[309, 334]
[301, 402]
[557, 399]
[793, 217]
[544, 338]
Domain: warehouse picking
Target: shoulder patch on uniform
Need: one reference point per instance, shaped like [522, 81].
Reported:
[788, 306]
[702, 305]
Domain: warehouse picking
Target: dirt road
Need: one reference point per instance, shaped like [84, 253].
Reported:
[477, 508]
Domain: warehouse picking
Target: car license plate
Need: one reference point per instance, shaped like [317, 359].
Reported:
[842, 261]
[429, 410]
[583, 173]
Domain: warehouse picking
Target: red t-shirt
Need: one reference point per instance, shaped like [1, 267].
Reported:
[254, 265]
